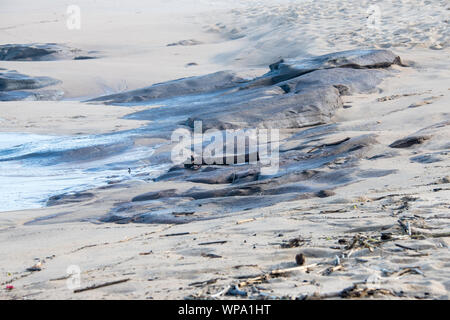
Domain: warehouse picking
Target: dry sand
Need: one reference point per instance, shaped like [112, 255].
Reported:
[172, 261]
[65, 118]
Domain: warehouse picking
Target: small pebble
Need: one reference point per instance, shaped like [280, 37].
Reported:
[386, 236]
[300, 259]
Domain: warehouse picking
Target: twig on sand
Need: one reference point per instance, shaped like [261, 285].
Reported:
[405, 247]
[211, 255]
[175, 234]
[245, 266]
[405, 228]
[415, 233]
[359, 242]
[245, 221]
[61, 278]
[414, 270]
[213, 242]
[279, 272]
[330, 270]
[437, 235]
[101, 285]
[274, 274]
[204, 283]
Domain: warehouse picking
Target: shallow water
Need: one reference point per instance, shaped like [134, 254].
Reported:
[35, 167]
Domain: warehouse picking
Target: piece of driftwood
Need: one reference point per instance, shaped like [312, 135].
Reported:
[405, 247]
[415, 233]
[274, 274]
[101, 285]
[211, 255]
[212, 242]
[415, 270]
[330, 270]
[438, 235]
[245, 266]
[245, 221]
[175, 234]
[204, 283]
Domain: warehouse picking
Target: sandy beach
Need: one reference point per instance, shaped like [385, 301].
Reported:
[359, 94]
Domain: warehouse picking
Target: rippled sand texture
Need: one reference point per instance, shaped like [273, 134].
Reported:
[273, 30]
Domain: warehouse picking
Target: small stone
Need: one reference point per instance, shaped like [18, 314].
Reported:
[325, 193]
[386, 236]
[409, 141]
[445, 180]
[300, 259]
